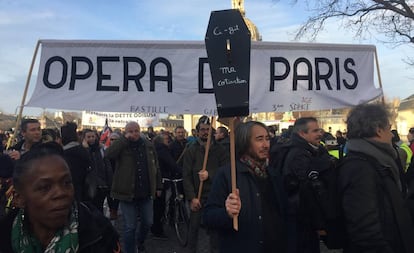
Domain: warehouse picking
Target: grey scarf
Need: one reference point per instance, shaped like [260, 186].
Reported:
[71, 145]
[384, 153]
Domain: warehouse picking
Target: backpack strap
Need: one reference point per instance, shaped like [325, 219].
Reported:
[399, 205]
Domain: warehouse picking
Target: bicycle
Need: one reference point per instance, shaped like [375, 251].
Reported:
[178, 212]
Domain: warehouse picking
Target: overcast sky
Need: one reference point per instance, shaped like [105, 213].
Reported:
[24, 22]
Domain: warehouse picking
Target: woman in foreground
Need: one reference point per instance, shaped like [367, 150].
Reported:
[47, 219]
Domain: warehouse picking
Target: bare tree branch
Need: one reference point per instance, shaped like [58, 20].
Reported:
[392, 18]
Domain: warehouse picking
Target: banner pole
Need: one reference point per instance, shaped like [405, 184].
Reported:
[233, 168]
[207, 148]
[379, 75]
[19, 116]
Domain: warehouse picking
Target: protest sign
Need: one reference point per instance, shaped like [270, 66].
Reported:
[118, 119]
[174, 77]
[228, 53]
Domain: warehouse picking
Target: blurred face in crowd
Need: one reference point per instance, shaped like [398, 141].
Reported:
[259, 143]
[113, 138]
[203, 131]
[313, 135]
[46, 193]
[90, 138]
[166, 139]
[132, 131]
[180, 134]
[219, 134]
[384, 134]
[33, 133]
[410, 135]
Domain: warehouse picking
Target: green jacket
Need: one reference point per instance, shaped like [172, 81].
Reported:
[123, 184]
[193, 163]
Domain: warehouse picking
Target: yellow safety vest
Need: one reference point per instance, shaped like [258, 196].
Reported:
[409, 152]
[334, 153]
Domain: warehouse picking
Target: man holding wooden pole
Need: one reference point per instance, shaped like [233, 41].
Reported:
[228, 50]
[255, 202]
[196, 172]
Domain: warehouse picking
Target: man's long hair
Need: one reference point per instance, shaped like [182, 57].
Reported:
[243, 134]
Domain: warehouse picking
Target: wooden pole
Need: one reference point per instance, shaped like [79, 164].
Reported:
[19, 116]
[379, 75]
[207, 148]
[233, 168]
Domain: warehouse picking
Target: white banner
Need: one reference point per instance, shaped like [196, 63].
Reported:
[174, 76]
[118, 119]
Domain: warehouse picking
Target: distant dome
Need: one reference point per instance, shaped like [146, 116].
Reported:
[255, 35]
[254, 32]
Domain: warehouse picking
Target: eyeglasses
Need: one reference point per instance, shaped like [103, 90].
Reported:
[411, 131]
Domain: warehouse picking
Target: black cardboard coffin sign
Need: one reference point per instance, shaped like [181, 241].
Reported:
[228, 51]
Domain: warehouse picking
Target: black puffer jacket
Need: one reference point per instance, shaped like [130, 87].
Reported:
[19, 145]
[303, 215]
[369, 212]
[96, 233]
[168, 167]
[177, 148]
[101, 166]
[79, 163]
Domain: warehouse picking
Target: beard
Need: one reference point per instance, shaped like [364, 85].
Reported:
[256, 156]
[204, 138]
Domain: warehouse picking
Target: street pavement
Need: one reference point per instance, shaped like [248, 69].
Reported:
[171, 245]
[155, 245]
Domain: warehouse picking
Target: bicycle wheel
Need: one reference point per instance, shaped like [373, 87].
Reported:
[181, 222]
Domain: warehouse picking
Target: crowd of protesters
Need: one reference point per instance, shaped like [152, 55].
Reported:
[69, 175]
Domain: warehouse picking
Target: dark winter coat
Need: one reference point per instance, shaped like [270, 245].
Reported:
[6, 166]
[123, 184]
[302, 215]
[369, 213]
[177, 148]
[193, 163]
[409, 179]
[77, 158]
[19, 146]
[101, 166]
[251, 236]
[168, 166]
[96, 233]
[226, 144]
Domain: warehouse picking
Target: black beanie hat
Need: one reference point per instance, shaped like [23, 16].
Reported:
[69, 133]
